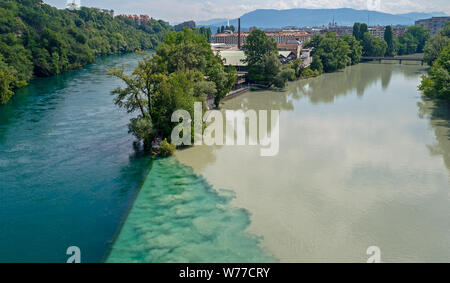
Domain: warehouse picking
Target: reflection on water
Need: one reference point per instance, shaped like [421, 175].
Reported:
[439, 117]
[354, 170]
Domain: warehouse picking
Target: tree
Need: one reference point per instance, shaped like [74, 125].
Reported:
[330, 53]
[262, 58]
[437, 84]
[434, 47]
[356, 29]
[316, 64]
[355, 48]
[373, 46]
[183, 71]
[436, 44]
[7, 78]
[359, 29]
[389, 38]
[413, 40]
[446, 30]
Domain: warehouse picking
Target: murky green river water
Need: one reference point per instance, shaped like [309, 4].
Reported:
[363, 162]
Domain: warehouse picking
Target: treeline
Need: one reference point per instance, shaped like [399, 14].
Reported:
[437, 54]
[222, 29]
[264, 66]
[206, 32]
[332, 53]
[410, 42]
[39, 40]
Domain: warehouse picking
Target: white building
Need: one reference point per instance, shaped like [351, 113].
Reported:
[73, 4]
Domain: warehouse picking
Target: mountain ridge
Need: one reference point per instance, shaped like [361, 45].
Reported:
[300, 17]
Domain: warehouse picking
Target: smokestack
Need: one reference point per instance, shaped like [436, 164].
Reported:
[239, 33]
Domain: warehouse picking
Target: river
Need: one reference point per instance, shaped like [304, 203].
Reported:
[363, 162]
[68, 169]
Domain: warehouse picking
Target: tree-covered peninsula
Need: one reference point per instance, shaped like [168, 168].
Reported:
[184, 70]
[37, 40]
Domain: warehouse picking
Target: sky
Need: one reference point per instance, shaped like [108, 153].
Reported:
[199, 10]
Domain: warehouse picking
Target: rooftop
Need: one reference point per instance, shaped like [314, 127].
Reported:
[235, 57]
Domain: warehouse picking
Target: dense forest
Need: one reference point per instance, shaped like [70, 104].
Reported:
[39, 40]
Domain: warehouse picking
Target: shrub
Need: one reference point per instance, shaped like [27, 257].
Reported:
[308, 73]
[166, 149]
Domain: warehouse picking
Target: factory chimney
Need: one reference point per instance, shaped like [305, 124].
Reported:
[239, 33]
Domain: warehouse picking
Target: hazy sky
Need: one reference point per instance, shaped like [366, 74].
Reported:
[181, 10]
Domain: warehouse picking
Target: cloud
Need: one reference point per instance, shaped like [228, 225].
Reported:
[181, 10]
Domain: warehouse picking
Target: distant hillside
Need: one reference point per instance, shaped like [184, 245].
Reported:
[213, 22]
[418, 16]
[38, 40]
[318, 17]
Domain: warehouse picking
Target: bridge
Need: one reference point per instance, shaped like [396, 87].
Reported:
[400, 59]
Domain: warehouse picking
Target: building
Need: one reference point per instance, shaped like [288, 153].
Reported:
[292, 46]
[340, 30]
[306, 57]
[236, 58]
[188, 24]
[139, 20]
[280, 37]
[399, 30]
[377, 31]
[73, 5]
[106, 11]
[434, 24]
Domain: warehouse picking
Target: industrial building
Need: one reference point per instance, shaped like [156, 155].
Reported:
[281, 37]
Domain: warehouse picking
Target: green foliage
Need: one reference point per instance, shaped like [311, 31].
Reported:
[437, 44]
[413, 40]
[183, 71]
[355, 47]
[434, 47]
[206, 32]
[166, 149]
[390, 41]
[359, 29]
[264, 66]
[141, 128]
[39, 40]
[330, 53]
[222, 29]
[316, 64]
[286, 74]
[7, 79]
[373, 46]
[309, 73]
[437, 84]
